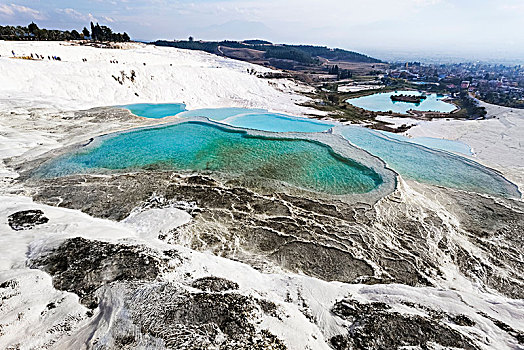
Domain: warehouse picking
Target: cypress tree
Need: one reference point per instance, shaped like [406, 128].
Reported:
[33, 28]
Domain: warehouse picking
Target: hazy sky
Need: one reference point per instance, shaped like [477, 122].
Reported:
[466, 28]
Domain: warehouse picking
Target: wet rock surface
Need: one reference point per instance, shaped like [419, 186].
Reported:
[391, 242]
[399, 240]
[518, 335]
[376, 326]
[82, 266]
[272, 230]
[26, 219]
[39, 313]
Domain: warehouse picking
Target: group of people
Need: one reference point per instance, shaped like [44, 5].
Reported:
[40, 57]
[113, 61]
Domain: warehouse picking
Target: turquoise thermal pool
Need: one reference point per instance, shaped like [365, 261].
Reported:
[155, 110]
[219, 114]
[200, 146]
[259, 119]
[277, 123]
[382, 102]
[427, 165]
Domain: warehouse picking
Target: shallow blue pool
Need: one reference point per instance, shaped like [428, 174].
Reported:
[277, 123]
[259, 119]
[219, 114]
[431, 166]
[155, 110]
[431, 142]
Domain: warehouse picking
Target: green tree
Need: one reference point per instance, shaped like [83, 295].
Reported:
[32, 28]
[85, 32]
[75, 35]
[93, 33]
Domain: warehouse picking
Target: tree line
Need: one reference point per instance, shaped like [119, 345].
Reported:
[340, 73]
[103, 33]
[33, 32]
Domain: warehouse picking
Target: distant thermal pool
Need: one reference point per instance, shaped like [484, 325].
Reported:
[256, 119]
[382, 102]
[200, 146]
[155, 110]
[219, 114]
[277, 123]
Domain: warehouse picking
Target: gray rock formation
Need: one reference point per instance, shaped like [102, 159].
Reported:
[82, 266]
[26, 220]
[214, 284]
[376, 326]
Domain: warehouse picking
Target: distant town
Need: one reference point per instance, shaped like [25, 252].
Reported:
[496, 84]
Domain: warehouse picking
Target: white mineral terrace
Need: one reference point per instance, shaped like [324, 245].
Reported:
[38, 100]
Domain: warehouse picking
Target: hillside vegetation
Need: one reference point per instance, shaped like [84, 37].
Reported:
[33, 33]
[304, 54]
